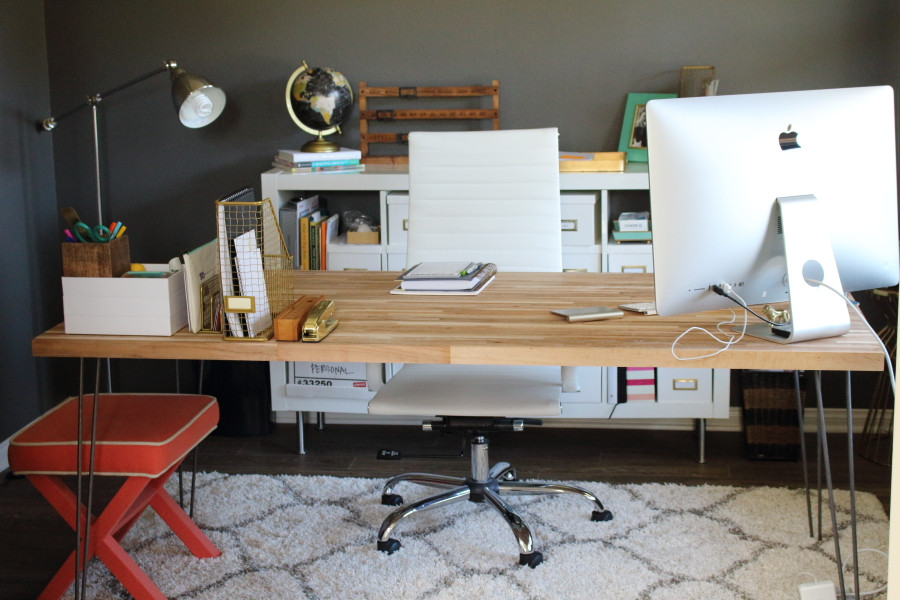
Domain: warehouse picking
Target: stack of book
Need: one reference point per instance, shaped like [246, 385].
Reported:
[446, 278]
[345, 160]
[307, 229]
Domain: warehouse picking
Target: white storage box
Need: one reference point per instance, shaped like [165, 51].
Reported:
[353, 257]
[398, 217]
[578, 218]
[125, 305]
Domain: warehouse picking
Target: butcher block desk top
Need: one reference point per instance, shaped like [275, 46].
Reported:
[508, 323]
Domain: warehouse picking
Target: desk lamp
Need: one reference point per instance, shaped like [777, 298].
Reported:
[197, 101]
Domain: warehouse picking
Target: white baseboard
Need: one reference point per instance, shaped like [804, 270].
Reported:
[835, 421]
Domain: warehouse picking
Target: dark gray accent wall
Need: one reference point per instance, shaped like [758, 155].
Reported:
[29, 252]
[568, 65]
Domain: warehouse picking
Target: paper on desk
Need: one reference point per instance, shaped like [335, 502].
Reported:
[201, 273]
[436, 270]
[248, 260]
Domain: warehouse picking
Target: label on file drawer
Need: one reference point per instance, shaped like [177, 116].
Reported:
[334, 383]
[329, 370]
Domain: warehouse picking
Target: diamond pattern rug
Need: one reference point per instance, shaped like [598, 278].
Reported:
[314, 538]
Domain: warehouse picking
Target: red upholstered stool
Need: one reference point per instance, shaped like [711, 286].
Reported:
[144, 438]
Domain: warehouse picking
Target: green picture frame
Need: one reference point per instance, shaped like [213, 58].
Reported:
[633, 140]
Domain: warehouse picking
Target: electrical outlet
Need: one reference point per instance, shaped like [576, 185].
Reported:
[822, 590]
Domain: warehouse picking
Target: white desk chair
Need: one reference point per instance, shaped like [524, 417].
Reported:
[489, 196]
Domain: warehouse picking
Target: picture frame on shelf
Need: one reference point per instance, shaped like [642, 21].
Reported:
[633, 140]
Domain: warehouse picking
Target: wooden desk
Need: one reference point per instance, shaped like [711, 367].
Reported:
[508, 323]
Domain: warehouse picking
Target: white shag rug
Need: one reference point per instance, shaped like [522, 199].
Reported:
[313, 538]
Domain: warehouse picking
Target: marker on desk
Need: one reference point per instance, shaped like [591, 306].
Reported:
[469, 269]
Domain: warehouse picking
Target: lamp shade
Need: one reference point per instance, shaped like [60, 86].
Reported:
[197, 101]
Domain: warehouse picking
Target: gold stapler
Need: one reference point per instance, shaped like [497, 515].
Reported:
[319, 322]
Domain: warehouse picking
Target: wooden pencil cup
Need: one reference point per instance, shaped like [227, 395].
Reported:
[109, 259]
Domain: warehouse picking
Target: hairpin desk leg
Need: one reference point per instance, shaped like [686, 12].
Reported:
[828, 482]
[852, 476]
[701, 441]
[82, 541]
[803, 460]
[301, 447]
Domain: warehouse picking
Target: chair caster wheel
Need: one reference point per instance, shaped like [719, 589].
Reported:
[391, 499]
[601, 515]
[532, 559]
[389, 546]
[511, 475]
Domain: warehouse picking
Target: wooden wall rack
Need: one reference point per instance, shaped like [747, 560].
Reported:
[409, 93]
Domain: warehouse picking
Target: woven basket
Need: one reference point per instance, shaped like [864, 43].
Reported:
[771, 422]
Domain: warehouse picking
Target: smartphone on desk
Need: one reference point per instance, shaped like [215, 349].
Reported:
[592, 313]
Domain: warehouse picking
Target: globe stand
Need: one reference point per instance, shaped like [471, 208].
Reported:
[320, 144]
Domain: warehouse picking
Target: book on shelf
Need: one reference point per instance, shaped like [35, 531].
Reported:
[348, 168]
[329, 231]
[289, 220]
[299, 156]
[305, 223]
[316, 163]
[447, 276]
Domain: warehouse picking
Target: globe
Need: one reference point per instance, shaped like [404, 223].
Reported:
[318, 100]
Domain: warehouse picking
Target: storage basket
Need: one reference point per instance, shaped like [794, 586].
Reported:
[770, 417]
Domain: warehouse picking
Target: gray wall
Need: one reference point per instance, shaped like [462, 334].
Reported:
[567, 64]
[29, 263]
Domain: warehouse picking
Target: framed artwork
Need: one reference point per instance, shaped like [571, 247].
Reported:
[633, 141]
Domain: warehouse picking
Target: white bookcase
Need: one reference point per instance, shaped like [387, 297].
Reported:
[587, 201]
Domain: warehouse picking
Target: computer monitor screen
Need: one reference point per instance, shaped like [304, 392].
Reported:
[717, 165]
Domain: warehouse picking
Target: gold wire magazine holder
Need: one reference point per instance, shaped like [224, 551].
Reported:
[254, 266]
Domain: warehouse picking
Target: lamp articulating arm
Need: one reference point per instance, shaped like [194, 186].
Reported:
[197, 101]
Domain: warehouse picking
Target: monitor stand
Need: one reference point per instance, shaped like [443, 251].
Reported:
[816, 312]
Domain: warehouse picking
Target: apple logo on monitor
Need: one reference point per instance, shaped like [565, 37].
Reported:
[788, 139]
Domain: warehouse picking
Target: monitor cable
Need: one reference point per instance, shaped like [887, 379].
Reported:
[855, 306]
[725, 290]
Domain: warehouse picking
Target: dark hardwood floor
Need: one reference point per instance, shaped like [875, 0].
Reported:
[34, 541]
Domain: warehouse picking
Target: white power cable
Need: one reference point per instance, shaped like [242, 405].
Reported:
[726, 343]
[887, 356]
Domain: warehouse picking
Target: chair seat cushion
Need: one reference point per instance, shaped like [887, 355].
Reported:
[137, 434]
[470, 390]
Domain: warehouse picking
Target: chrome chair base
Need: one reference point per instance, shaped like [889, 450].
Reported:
[486, 485]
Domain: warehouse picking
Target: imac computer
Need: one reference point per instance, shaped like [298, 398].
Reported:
[765, 197]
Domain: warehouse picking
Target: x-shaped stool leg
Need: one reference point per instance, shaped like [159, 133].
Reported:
[132, 498]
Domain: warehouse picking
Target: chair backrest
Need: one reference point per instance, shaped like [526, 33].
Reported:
[488, 196]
